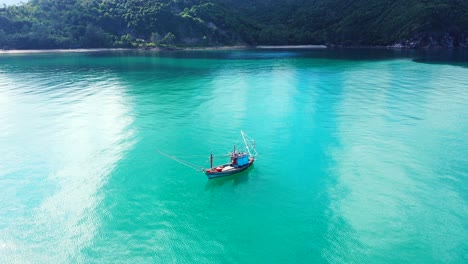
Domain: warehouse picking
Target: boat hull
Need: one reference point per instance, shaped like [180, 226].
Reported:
[213, 173]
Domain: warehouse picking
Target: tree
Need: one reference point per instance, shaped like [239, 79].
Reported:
[3, 39]
[169, 39]
[155, 37]
[94, 37]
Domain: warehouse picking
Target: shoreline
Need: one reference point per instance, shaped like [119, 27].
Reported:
[217, 48]
[39, 51]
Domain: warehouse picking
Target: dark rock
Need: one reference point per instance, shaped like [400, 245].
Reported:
[433, 40]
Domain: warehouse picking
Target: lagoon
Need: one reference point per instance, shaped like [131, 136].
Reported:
[363, 156]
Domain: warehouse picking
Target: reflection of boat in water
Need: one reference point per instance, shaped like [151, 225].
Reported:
[241, 160]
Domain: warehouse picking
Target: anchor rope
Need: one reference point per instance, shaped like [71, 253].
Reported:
[183, 162]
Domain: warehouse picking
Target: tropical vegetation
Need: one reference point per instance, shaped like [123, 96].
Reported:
[46, 24]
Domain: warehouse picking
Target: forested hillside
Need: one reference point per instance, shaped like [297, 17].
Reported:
[144, 23]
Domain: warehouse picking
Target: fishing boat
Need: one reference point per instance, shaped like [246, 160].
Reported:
[240, 160]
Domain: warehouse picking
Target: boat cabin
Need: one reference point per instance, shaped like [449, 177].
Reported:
[239, 159]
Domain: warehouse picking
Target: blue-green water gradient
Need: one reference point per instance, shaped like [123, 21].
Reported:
[363, 157]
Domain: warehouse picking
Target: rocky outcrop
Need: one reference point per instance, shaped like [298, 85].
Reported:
[433, 40]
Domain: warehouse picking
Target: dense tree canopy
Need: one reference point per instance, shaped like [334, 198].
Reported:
[145, 23]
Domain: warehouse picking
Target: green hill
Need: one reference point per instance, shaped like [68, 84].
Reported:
[47, 24]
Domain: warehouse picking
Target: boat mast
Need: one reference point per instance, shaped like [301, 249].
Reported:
[245, 142]
[211, 160]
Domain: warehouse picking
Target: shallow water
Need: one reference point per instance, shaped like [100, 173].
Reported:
[363, 157]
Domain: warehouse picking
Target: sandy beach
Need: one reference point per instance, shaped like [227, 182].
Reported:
[163, 49]
[293, 47]
[55, 51]
[240, 47]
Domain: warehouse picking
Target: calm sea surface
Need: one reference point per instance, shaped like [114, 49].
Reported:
[363, 157]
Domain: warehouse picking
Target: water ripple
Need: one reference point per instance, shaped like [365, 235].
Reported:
[70, 135]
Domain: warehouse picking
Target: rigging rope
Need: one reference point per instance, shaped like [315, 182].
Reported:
[183, 162]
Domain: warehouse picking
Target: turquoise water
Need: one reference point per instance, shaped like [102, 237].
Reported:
[363, 157]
